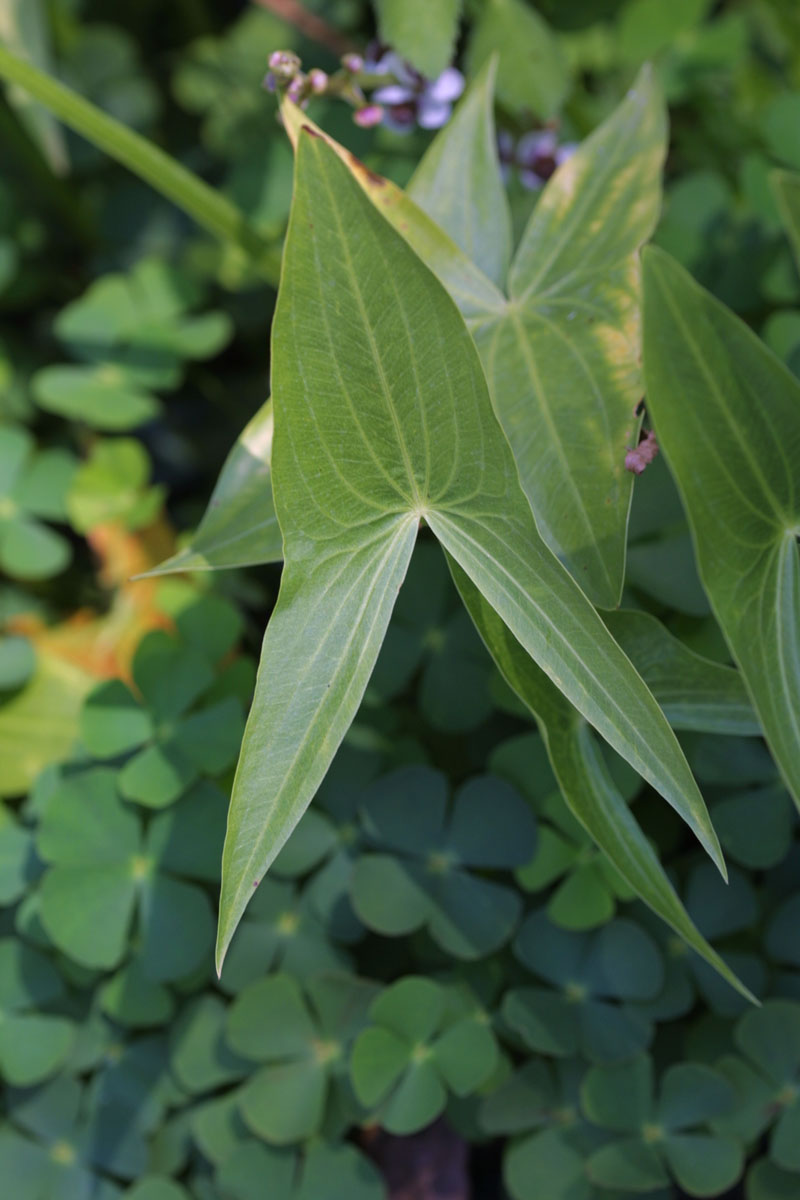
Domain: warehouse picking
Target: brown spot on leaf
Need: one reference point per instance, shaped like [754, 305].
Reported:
[372, 176]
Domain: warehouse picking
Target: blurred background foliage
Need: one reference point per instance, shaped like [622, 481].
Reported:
[439, 941]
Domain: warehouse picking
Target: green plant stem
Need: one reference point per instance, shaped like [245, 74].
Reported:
[204, 204]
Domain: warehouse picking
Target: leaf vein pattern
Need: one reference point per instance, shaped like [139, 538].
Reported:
[370, 337]
[709, 442]
[373, 568]
[599, 181]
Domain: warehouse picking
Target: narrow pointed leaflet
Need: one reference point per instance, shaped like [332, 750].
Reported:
[562, 357]
[458, 182]
[382, 418]
[239, 527]
[583, 777]
[727, 415]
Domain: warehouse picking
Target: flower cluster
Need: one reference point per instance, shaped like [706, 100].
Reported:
[402, 100]
[411, 99]
[534, 156]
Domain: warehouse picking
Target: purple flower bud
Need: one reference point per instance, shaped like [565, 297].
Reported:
[284, 63]
[317, 81]
[353, 63]
[296, 89]
[269, 82]
[369, 115]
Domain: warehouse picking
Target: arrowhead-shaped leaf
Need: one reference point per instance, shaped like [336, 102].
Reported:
[562, 352]
[458, 181]
[382, 419]
[562, 359]
[472, 291]
[727, 414]
[583, 777]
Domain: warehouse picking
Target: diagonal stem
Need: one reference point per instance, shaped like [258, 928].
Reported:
[204, 204]
[309, 24]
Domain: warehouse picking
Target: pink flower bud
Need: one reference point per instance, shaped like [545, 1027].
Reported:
[353, 63]
[296, 89]
[637, 459]
[369, 115]
[317, 81]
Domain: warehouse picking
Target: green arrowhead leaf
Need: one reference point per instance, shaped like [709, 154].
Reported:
[383, 419]
[562, 353]
[458, 181]
[583, 777]
[562, 358]
[239, 528]
[727, 414]
[472, 291]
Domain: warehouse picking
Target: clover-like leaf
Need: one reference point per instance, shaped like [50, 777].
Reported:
[71, 1141]
[200, 1057]
[173, 742]
[33, 1043]
[786, 186]
[411, 1054]
[33, 487]
[425, 35]
[302, 1040]
[112, 486]
[588, 887]
[100, 861]
[134, 334]
[769, 1037]
[281, 931]
[17, 661]
[17, 862]
[420, 872]
[592, 975]
[39, 723]
[133, 1000]
[661, 1136]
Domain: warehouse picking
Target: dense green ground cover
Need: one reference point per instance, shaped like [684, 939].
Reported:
[440, 937]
